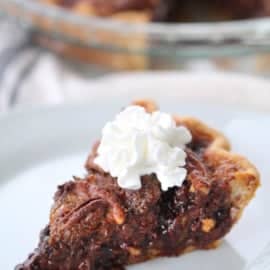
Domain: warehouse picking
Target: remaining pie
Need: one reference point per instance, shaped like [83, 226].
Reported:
[171, 10]
[134, 51]
[97, 225]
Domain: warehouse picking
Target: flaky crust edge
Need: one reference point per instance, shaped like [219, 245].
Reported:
[245, 180]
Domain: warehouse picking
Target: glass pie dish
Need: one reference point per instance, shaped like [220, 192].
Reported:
[125, 44]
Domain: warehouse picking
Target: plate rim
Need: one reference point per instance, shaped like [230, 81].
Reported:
[241, 90]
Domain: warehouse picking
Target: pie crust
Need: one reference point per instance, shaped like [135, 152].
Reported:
[96, 225]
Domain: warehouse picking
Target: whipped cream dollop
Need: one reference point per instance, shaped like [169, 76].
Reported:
[138, 143]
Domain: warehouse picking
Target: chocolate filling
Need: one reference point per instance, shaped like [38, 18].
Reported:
[96, 225]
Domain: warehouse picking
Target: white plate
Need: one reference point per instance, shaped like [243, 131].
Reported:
[45, 147]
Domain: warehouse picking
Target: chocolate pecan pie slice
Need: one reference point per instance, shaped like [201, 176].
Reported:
[96, 225]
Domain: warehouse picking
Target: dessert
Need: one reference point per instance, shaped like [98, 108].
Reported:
[132, 51]
[156, 185]
[172, 10]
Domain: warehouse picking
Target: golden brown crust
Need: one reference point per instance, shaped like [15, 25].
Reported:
[218, 140]
[148, 104]
[114, 59]
[92, 216]
[244, 177]
[109, 58]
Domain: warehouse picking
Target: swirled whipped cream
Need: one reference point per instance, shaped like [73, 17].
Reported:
[138, 143]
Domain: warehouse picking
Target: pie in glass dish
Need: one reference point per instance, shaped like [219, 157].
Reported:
[170, 10]
[140, 51]
[96, 224]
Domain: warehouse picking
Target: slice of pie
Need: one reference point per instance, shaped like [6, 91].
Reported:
[97, 225]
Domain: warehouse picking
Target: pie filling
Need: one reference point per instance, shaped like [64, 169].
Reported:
[97, 225]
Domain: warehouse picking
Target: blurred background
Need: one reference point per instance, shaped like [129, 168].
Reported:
[205, 58]
[49, 48]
